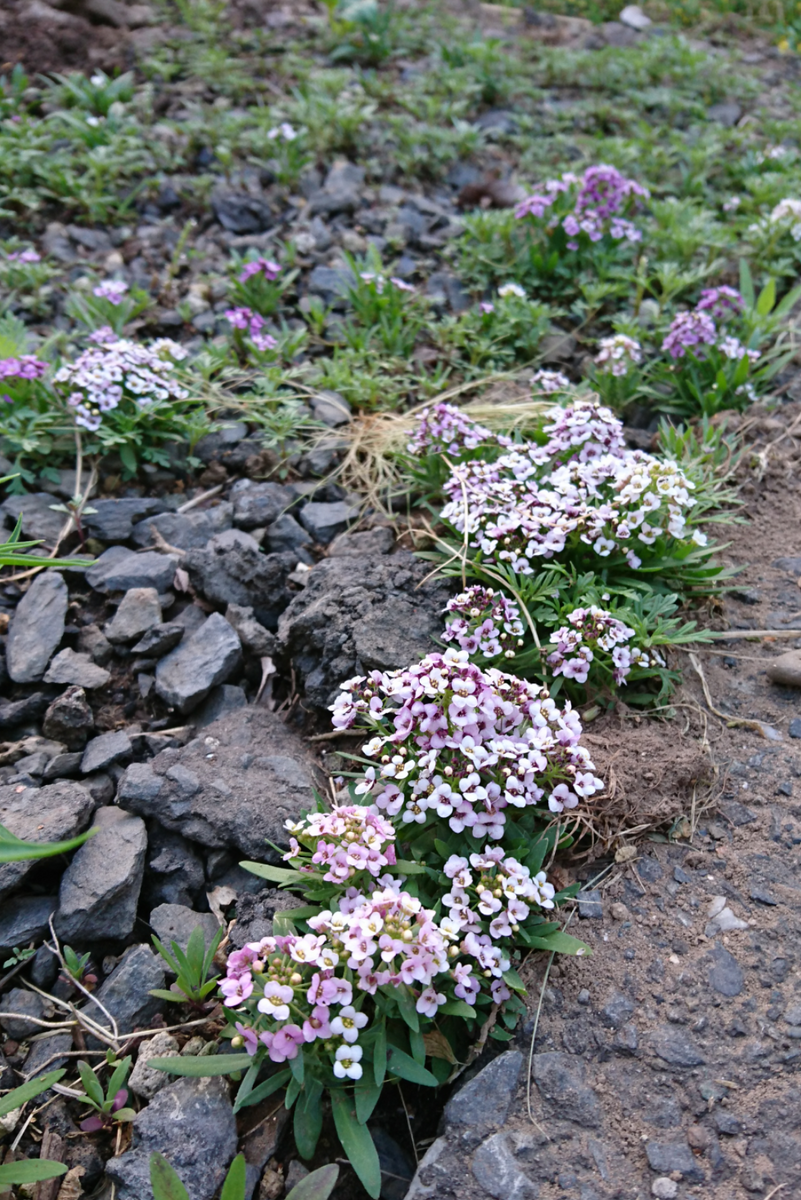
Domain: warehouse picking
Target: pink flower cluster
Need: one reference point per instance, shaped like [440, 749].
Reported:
[24, 366]
[720, 302]
[550, 382]
[260, 266]
[617, 354]
[464, 745]
[23, 256]
[601, 198]
[582, 432]
[112, 290]
[114, 370]
[347, 841]
[447, 429]
[577, 643]
[251, 323]
[484, 621]
[379, 282]
[522, 507]
[696, 329]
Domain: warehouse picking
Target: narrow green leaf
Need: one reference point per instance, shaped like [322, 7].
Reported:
[247, 1085]
[380, 1054]
[263, 1090]
[31, 1170]
[118, 1078]
[318, 1185]
[399, 1063]
[165, 1183]
[560, 943]
[202, 1066]
[235, 1180]
[274, 874]
[767, 298]
[164, 994]
[292, 1091]
[458, 1008]
[406, 867]
[21, 1095]
[91, 1084]
[14, 850]
[195, 952]
[513, 981]
[296, 1066]
[500, 1035]
[212, 950]
[418, 1047]
[357, 1143]
[407, 1008]
[746, 284]
[308, 1121]
[367, 1095]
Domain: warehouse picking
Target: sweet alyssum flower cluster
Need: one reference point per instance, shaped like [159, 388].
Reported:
[23, 368]
[694, 330]
[587, 207]
[447, 429]
[250, 322]
[116, 369]
[346, 842]
[483, 621]
[589, 630]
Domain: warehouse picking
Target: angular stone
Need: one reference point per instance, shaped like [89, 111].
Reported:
[369, 541]
[727, 113]
[484, 1101]
[208, 657]
[92, 641]
[239, 212]
[251, 773]
[324, 520]
[230, 433]
[126, 991]
[145, 1081]
[69, 719]
[560, 1081]
[786, 669]
[191, 1123]
[259, 504]
[39, 521]
[37, 627]
[496, 1171]
[666, 1157]
[159, 640]
[46, 1055]
[243, 575]
[725, 973]
[77, 669]
[617, 1010]
[25, 919]
[254, 637]
[590, 905]
[221, 700]
[138, 611]
[176, 923]
[119, 570]
[330, 408]
[52, 813]
[174, 872]
[285, 534]
[113, 520]
[675, 1047]
[26, 1004]
[14, 712]
[104, 750]
[186, 531]
[100, 888]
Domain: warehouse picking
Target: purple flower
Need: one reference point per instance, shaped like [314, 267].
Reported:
[720, 302]
[689, 329]
[112, 290]
[248, 1036]
[260, 266]
[26, 366]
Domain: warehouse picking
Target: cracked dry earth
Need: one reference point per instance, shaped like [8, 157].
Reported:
[667, 1064]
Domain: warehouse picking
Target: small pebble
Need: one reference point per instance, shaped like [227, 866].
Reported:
[619, 911]
[664, 1188]
[583, 996]
[795, 728]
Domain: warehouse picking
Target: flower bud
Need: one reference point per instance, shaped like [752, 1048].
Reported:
[295, 979]
[407, 936]
[448, 771]
[453, 952]
[237, 1041]
[480, 888]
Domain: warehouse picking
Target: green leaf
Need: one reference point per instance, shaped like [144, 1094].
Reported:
[124, 1115]
[164, 994]
[458, 1008]
[407, 1008]
[165, 1183]
[31, 1170]
[247, 1084]
[357, 1143]
[263, 1090]
[513, 981]
[442, 848]
[560, 943]
[296, 1066]
[292, 1091]
[406, 867]
[203, 1066]
[119, 1077]
[500, 1035]
[308, 1121]
[746, 284]
[318, 1185]
[128, 457]
[399, 1063]
[195, 950]
[418, 1047]
[235, 1180]
[14, 850]
[91, 1084]
[767, 298]
[367, 1095]
[380, 1054]
[21, 1095]
[274, 874]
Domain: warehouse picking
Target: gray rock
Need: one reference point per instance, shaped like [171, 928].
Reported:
[617, 1010]
[125, 992]
[357, 614]
[590, 905]
[176, 923]
[725, 973]
[255, 910]
[92, 641]
[119, 570]
[675, 1047]
[138, 611]
[221, 701]
[113, 520]
[174, 870]
[159, 640]
[14, 712]
[664, 1188]
[786, 669]
[78, 669]
[46, 1055]
[191, 1123]
[368, 541]
[104, 750]
[187, 531]
[229, 434]
[727, 114]
[39, 521]
[793, 1014]
[330, 283]
[69, 719]
[243, 575]
[207, 657]
[25, 919]
[234, 786]
[254, 637]
[233, 539]
[44, 964]
[27, 1004]
[286, 534]
[324, 520]
[52, 813]
[145, 1081]
[666, 1157]
[100, 888]
[626, 1040]
[560, 1081]
[37, 627]
[484, 1101]
[496, 1171]
[330, 408]
[239, 212]
[259, 504]
[497, 120]
[100, 787]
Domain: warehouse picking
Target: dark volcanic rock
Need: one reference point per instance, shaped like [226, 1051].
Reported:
[358, 614]
[239, 212]
[118, 570]
[113, 520]
[47, 814]
[208, 657]
[259, 504]
[191, 1123]
[187, 531]
[126, 991]
[234, 786]
[176, 923]
[174, 870]
[100, 888]
[39, 521]
[243, 575]
[25, 919]
[37, 627]
[69, 719]
[484, 1101]
[560, 1080]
